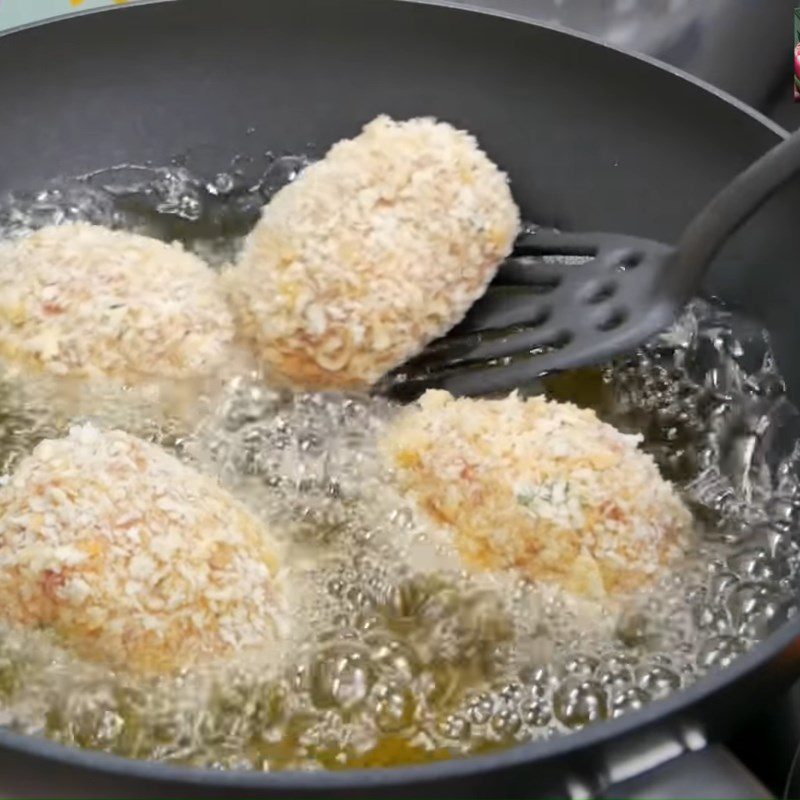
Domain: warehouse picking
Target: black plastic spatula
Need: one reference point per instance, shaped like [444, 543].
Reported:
[565, 300]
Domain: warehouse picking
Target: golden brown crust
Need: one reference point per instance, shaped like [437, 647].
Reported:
[84, 301]
[371, 253]
[540, 487]
[131, 557]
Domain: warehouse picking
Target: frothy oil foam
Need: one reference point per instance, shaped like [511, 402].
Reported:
[396, 655]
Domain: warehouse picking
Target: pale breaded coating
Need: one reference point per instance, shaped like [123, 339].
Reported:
[84, 301]
[371, 253]
[541, 487]
[132, 558]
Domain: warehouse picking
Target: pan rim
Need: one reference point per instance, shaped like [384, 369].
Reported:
[471, 8]
[529, 753]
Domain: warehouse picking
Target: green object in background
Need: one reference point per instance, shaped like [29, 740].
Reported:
[23, 12]
[797, 54]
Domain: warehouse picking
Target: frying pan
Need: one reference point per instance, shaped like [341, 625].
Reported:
[594, 139]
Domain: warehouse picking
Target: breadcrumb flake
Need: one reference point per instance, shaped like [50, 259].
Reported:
[85, 301]
[541, 487]
[133, 558]
[371, 253]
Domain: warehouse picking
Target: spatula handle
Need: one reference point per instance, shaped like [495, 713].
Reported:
[732, 207]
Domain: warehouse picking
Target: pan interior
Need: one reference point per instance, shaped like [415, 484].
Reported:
[396, 656]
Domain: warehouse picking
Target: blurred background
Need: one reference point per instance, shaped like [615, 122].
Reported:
[742, 46]
[23, 12]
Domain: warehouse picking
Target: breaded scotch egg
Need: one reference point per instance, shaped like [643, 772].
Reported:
[371, 253]
[541, 487]
[85, 301]
[132, 558]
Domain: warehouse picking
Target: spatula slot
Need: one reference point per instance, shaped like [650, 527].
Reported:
[602, 293]
[614, 320]
[629, 260]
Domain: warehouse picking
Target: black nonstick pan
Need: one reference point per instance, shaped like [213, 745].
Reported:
[595, 139]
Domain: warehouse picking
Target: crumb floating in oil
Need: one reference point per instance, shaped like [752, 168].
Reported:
[403, 659]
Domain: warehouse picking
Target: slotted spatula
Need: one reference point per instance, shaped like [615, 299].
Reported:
[564, 300]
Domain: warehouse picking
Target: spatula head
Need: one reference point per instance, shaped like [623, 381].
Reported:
[561, 300]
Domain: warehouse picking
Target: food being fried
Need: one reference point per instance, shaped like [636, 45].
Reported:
[133, 558]
[371, 253]
[85, 301]
[541, 487]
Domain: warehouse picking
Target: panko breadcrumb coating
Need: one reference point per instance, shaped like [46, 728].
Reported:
[133, 558]
[86, 301]
[541, 487]
[371, 253]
